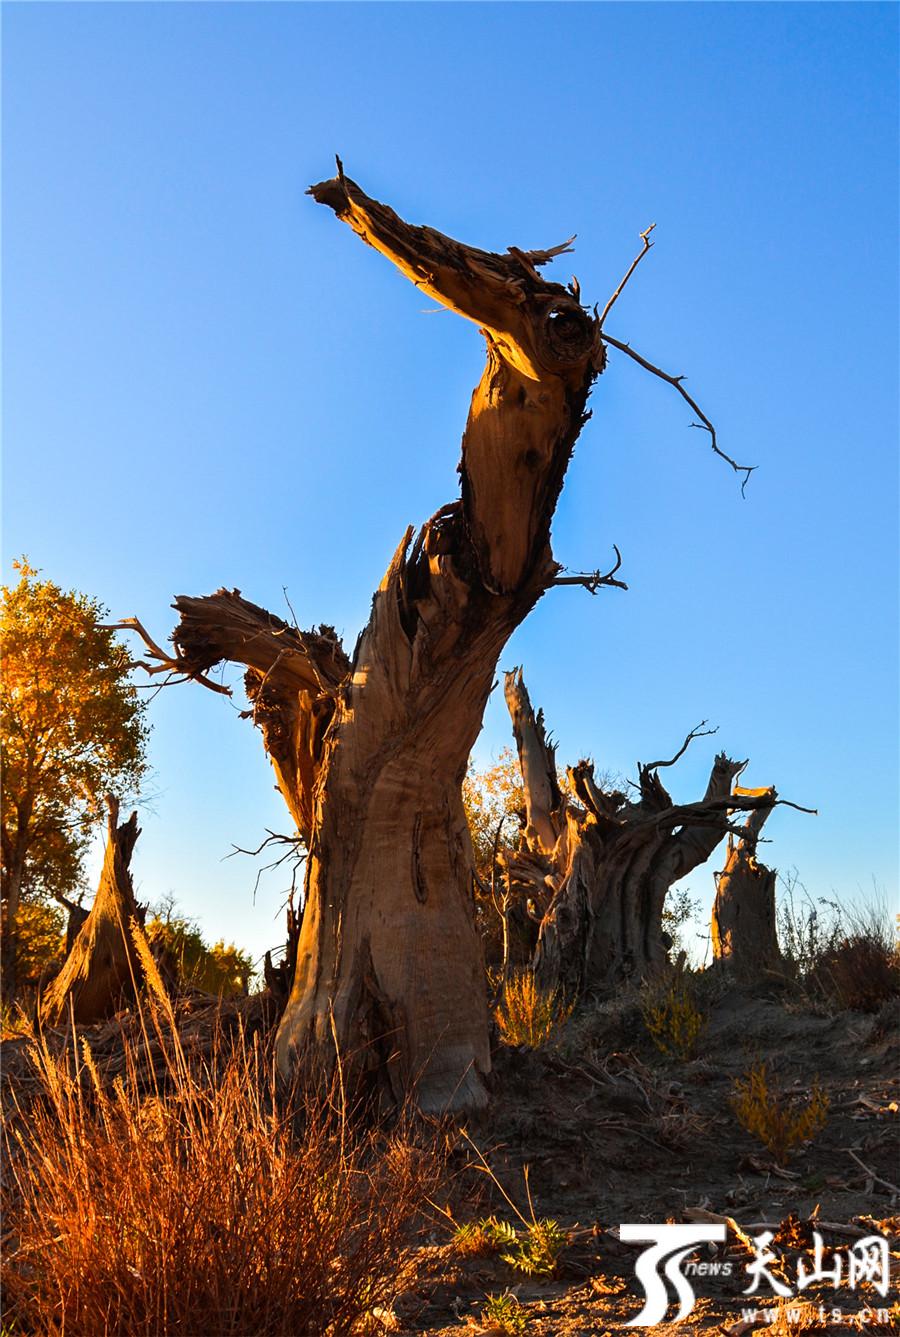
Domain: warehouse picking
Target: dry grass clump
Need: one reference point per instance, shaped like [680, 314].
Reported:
[528, 1015]
[199, 1207]
[778, 1122]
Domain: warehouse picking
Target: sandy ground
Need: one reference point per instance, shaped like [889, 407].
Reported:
[614, 1133]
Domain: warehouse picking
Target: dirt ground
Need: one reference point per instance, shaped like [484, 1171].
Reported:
[613, 1133]
[610, 1132]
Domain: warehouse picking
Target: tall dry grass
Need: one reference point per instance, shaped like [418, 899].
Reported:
[843, 956]
[191, 1202]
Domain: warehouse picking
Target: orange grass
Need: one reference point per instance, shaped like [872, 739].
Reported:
[199, 1207]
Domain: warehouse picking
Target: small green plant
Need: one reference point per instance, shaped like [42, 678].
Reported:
[529, 1015]
[536, 1249]
[503, 1315]
[474, 1239]
[778, 1122]
[672, 1017]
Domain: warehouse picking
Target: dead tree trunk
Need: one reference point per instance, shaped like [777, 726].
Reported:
[370, 754]
[744, 929]
[102, 968]
[597, 870]
[279, 977]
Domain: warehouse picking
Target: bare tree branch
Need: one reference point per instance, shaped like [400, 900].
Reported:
[708, 810]
[592, 580]
[170, 664]
[704, 424]
[225, 626]
[698, 731]
[544, 257]
[645, 238]
[295, 851]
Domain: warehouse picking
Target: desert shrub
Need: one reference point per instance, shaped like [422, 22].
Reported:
[673, 1016]
[199, 1207]
[680, 909]
[529, 1015]
[806, 928]
[778, 1122]
[861, 972]
[843, 957]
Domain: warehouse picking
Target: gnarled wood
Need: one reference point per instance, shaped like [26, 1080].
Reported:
[291, 680]
[605, 880]
[370, 754]
[543, 349]
[744, 929]
[102, 968]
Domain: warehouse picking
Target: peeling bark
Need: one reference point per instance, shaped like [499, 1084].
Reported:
[102, 968]
[744, 929]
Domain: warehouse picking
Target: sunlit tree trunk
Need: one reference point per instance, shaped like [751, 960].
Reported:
[744, 929]
[103, 969]
[370, 754]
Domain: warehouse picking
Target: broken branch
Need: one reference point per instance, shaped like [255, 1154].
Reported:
[645, 238]
[697, 732]
[592, 580]
[704, 424]
[176, 667]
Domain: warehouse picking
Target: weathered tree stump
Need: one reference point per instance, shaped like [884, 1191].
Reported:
[103, 969]
[744, 928]
[596, 869]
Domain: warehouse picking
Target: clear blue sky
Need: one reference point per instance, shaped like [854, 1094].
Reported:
[208, 380]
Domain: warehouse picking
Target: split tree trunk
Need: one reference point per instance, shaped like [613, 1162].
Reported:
[744, 928]
[370, 754]
[597, 870]
[102, 968]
